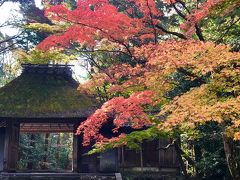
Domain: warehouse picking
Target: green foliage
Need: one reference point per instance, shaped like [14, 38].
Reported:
[213, 164]
[42, 27]
[42, 57]
[1, 76]
[223, 24]
[132, 140]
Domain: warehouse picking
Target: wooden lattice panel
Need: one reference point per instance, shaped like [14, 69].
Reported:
[2, 123]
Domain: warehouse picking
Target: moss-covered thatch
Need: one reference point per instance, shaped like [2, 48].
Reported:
[42, 94]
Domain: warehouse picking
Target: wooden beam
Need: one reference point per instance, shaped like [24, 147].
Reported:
[45, 119]
[46, 127]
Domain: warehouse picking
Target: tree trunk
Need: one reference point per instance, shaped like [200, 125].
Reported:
[58, 148]
[180, 158]
[32, 147]
[230, 152]
[46, 142]
[198, 157]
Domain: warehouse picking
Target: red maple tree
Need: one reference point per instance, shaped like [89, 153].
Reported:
[214, 67]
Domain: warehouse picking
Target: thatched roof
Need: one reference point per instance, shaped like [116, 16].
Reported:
[44, 91]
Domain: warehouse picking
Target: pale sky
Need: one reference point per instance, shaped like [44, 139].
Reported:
[9, 11]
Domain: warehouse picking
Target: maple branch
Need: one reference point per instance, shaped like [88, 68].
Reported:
[197, 28]
[97, 28]
[101, 50]
[154, 28]
[166, 147]
[93, 62]
[2, 2]
[9, 39]
[5, 49]
[98, 66]
[171, 32]
[184, 6]
[199, 33]
[179, 12]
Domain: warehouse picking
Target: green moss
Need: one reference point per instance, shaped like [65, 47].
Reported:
[32, 95]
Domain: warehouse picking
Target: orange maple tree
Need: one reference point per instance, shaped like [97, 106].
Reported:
[198, 61]
[214, 95]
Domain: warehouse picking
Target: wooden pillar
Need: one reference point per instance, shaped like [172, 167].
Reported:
[2, 141]
[141, 157]
[11, 146]
[76, 163]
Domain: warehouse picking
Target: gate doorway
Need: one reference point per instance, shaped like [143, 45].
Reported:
[45, 147]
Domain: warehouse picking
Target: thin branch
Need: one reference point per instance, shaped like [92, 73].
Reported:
[1, 3]
[5, 49]
[166, 147]
[179, 12]
[8, 39]
[103, 50]
[184, 5]
[97, 28]
[171, 32]
[219, 40]
[152, 23]
[197, 28]
[199, 33]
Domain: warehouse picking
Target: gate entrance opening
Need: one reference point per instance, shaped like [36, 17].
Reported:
[45, 147]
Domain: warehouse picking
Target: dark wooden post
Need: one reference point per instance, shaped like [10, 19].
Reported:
[77, 150]
[11, 146]
[45, 157]
[30, 164]
[76, 163]
[2, 141]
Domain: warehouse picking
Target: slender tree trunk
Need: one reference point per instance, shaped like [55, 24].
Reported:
[198, 157]
[32, 147]
[58, 148]
[180, 158]
[64, 140]
[46, 142]
[230, 152]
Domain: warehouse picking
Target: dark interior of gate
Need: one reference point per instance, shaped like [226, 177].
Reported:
[10, 146]
[44, 100]
[46, 147]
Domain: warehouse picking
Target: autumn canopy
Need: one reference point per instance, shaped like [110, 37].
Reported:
[165, 77]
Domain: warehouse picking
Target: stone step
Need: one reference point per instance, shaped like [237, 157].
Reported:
[58, 176]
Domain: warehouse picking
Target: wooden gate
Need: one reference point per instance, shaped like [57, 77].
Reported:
[11, 146]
